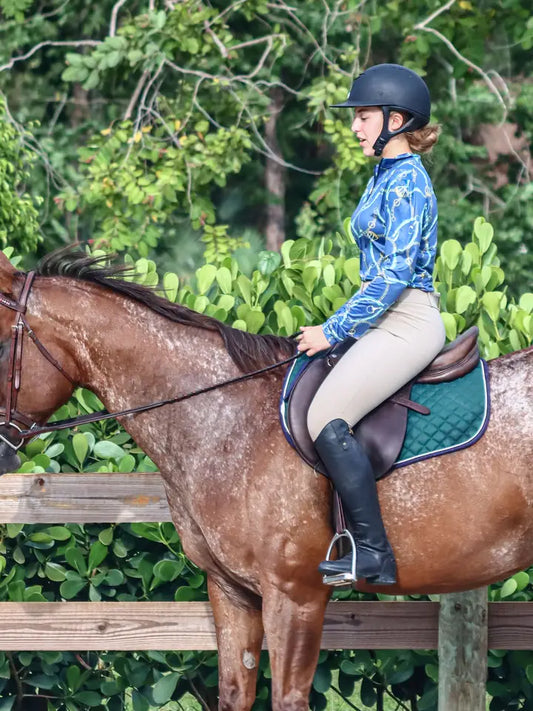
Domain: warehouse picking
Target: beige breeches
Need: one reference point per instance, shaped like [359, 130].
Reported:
[401, 344]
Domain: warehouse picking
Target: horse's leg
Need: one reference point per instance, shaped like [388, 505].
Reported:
[239, 630]
[293, 620]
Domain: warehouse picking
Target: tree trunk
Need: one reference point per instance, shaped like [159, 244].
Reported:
[274, 177]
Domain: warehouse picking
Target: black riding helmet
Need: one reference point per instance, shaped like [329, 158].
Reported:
[391, 87]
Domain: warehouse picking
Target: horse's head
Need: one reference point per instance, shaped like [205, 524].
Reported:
[34, 381]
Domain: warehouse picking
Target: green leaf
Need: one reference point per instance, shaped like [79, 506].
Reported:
[351, 269]
[58, 533]
[529, 673]
[168, 570]
[74, 557]
[163, 689]
[450, 325]
[80, 446]
[522, 580]
[492, 302]
[70, 588]
[285, 252]
[268, 262]
[508, 588]
[226, 302]
[450, 253]
[310, 276]
[483, 232]
[239, 324]
[224, 280]
[205, 277]
[126, 463]
[73, 677]
[245, 287]
[322, 679]
[465, 296]
[526, 302]
[97, 554]
[89, 698]
[328, 274]
[254, 320]
[54, 571]
[170, 286]
[108, 450]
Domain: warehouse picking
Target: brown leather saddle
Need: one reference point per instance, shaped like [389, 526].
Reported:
[382, 431]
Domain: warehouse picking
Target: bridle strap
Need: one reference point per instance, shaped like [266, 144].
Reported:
[15, 352]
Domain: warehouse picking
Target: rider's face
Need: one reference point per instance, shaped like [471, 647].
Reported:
[367, 125]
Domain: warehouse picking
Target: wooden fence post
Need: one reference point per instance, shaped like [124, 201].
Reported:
[463, 647]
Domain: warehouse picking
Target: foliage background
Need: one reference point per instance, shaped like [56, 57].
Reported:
[189, 136]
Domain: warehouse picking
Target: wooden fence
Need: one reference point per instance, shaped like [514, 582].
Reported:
[136, 497]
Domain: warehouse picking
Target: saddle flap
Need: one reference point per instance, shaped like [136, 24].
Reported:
[381, 432]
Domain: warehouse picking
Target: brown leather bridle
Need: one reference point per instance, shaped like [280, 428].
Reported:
[12, 418]
[16, 421]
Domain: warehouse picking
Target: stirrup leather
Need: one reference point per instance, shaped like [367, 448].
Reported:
[342, 578]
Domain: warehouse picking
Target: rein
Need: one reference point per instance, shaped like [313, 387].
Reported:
[12, 417]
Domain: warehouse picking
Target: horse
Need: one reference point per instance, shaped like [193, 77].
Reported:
[248, 510]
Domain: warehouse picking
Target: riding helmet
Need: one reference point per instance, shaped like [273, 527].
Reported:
[391, 87]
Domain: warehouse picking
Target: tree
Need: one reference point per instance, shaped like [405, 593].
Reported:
[183, 111]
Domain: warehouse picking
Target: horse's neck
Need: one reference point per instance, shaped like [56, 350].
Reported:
[128, 354]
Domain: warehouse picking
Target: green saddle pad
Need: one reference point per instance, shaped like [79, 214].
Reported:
[460, 412]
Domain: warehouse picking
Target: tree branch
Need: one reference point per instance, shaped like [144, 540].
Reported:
[114, 16]
[136, 94]
[216, 40]
[435, 14]
[48, 43]
[422, 26]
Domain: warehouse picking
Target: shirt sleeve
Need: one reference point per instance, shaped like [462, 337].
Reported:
[405, 207]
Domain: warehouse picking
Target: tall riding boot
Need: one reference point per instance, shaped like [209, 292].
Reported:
[351, 474]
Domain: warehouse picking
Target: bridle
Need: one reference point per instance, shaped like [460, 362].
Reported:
[24, 427]
[12, 418]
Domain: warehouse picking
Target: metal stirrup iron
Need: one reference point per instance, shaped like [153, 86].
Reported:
[342, 578]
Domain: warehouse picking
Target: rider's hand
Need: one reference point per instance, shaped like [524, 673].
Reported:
[312, 340]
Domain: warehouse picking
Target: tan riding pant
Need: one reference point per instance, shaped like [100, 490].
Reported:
[399, 345]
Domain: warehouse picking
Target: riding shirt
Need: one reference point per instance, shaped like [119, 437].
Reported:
[395, 227]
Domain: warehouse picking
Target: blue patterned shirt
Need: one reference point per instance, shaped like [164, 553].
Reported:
[395, 227]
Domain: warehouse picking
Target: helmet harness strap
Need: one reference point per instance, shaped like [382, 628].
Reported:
[385, 135]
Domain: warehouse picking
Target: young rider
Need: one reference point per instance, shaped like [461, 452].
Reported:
[394, 315]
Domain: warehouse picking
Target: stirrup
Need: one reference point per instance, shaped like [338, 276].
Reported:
[342, 578]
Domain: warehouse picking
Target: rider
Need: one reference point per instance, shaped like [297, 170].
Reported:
[394, 315]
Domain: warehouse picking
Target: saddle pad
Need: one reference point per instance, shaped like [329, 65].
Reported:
[460, 411]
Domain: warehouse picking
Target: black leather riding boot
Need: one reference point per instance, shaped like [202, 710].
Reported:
[351, 474]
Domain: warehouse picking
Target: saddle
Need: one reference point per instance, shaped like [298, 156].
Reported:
[382, 431]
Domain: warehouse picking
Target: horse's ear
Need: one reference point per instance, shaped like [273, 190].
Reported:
[7, 273]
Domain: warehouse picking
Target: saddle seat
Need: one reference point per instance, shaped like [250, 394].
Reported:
[382, 431]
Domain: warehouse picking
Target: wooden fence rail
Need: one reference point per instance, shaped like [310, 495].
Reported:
[136, 626]
[116, 497]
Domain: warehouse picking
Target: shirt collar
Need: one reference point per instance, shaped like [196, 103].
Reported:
[386, 163]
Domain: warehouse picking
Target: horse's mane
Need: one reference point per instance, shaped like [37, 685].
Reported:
[249, 351]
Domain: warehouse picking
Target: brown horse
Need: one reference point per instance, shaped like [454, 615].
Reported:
[247, 508]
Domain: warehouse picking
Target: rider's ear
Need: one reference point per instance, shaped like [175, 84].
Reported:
[396, 120]
[7, 272]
